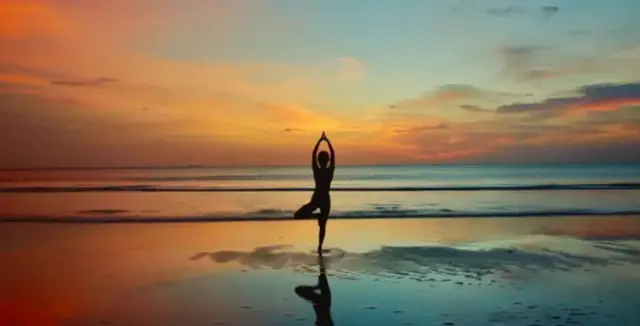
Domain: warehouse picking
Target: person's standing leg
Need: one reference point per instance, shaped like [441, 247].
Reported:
[322, 224]
[325, 209]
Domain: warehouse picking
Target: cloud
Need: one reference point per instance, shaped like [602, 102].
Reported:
[530, 63]
[596, 97]
[490, 139]
[475, 108]
[443, 95]
[460, 146]
[453, 91]
[625, 114]
[98, 82]
[35, 72]
[526, 63]
[599, 137]
[510, 11]
[48, 131]
[18, 88]
[37, 76]
[505, 11]
[548, 104]
[92, 45]
[612, 91]
[549, 11]
[559, 151]
[536, 74]
[56, 132]
[446, 99]
[440, 126]
[516, 142]
[421, 136]
[521, 52]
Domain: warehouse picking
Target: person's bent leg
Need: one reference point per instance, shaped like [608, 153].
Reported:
[305, 211]
[307, 292]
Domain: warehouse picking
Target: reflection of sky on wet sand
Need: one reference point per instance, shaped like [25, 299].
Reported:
[205, 273]
[418, 262]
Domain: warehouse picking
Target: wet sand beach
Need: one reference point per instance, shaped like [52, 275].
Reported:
[489, 271]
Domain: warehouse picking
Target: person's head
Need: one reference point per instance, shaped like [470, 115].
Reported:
[323, 159]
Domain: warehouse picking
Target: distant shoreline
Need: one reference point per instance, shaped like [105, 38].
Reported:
[179, 167]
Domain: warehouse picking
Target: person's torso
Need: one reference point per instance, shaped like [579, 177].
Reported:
[323, 180]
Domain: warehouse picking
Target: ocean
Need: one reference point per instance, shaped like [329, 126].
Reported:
[263, 193]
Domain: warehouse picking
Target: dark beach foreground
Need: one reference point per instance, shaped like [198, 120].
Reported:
[503, 271]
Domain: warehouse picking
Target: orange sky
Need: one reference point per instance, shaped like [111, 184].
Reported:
[129, 83]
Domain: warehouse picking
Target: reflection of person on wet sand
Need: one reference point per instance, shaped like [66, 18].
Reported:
[321, 300]
[323, 167]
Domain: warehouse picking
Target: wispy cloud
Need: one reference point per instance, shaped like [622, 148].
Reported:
[526, 63]
[561, 151]
[535, 63]
[17, 88]
[97, 82]
[475, 108]
[440, 126]
[510, 11]
[443, 95]
[505, 11]
[549, 11]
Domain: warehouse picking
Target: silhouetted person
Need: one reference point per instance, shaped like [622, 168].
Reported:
[321, 300]
[323, 167]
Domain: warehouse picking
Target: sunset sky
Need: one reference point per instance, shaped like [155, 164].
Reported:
[232, 82]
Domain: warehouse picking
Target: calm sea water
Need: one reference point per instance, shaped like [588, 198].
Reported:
[196, 193]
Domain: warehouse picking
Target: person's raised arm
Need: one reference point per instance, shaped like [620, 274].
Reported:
[314, 154]
[333, 154]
